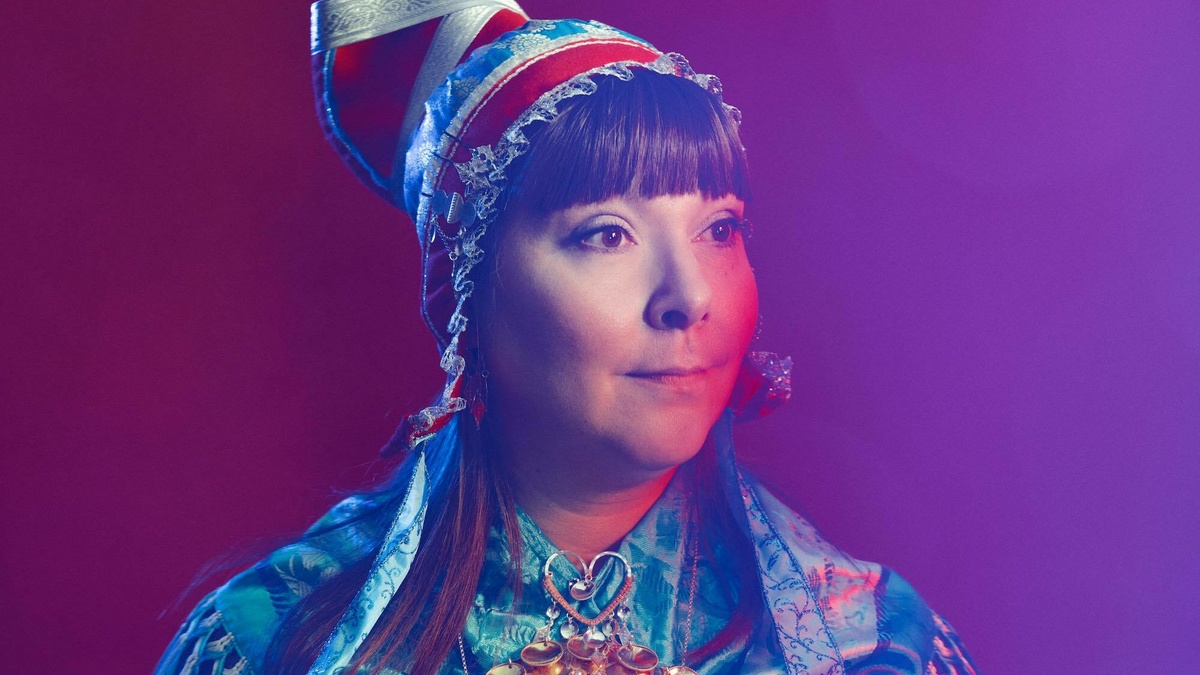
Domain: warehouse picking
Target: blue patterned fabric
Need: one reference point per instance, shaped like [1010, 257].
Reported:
[826, 612]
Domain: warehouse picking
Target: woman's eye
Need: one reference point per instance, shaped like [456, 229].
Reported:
[722, 231]
[609, 237]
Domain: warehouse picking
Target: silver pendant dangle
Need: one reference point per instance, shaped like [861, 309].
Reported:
[583, 589]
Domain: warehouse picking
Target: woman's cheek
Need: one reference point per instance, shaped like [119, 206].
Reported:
[739, 300]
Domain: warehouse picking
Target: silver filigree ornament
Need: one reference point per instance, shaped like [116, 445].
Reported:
[777, 372]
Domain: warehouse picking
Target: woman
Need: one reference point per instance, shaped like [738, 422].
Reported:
[570, 502]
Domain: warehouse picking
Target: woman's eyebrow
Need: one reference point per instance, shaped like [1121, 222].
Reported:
[580, 214]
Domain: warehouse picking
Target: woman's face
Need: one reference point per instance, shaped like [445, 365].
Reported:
[613, 331]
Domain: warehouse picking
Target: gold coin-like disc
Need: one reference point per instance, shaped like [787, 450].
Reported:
[582, 648]
[509, 668]
[541, 653]
[638, 658]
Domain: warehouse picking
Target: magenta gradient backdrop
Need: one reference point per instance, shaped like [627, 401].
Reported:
[978, 233]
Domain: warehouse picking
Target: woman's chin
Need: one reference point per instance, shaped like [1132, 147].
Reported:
[665, 439]
[658, 448]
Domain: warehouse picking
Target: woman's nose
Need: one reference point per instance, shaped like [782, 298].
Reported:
[682, 295]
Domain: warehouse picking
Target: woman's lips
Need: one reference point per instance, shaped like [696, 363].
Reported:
[673, 377]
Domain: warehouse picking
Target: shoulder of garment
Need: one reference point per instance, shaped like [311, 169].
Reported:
[230, 629]
[875, 621]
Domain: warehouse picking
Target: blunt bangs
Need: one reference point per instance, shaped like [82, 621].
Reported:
[651, 136]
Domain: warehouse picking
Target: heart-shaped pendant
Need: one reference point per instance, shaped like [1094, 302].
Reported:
[584, 588]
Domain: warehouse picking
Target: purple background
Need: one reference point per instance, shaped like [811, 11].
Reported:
[977, 233]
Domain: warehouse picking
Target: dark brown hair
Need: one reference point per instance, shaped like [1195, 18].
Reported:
[651, 135]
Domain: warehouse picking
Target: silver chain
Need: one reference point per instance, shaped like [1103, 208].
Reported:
[462, 651]
[691, 602]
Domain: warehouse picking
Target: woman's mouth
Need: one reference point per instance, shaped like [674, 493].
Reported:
[671, 377]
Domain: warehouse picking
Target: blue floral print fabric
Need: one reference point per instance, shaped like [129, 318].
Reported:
[824, 612]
